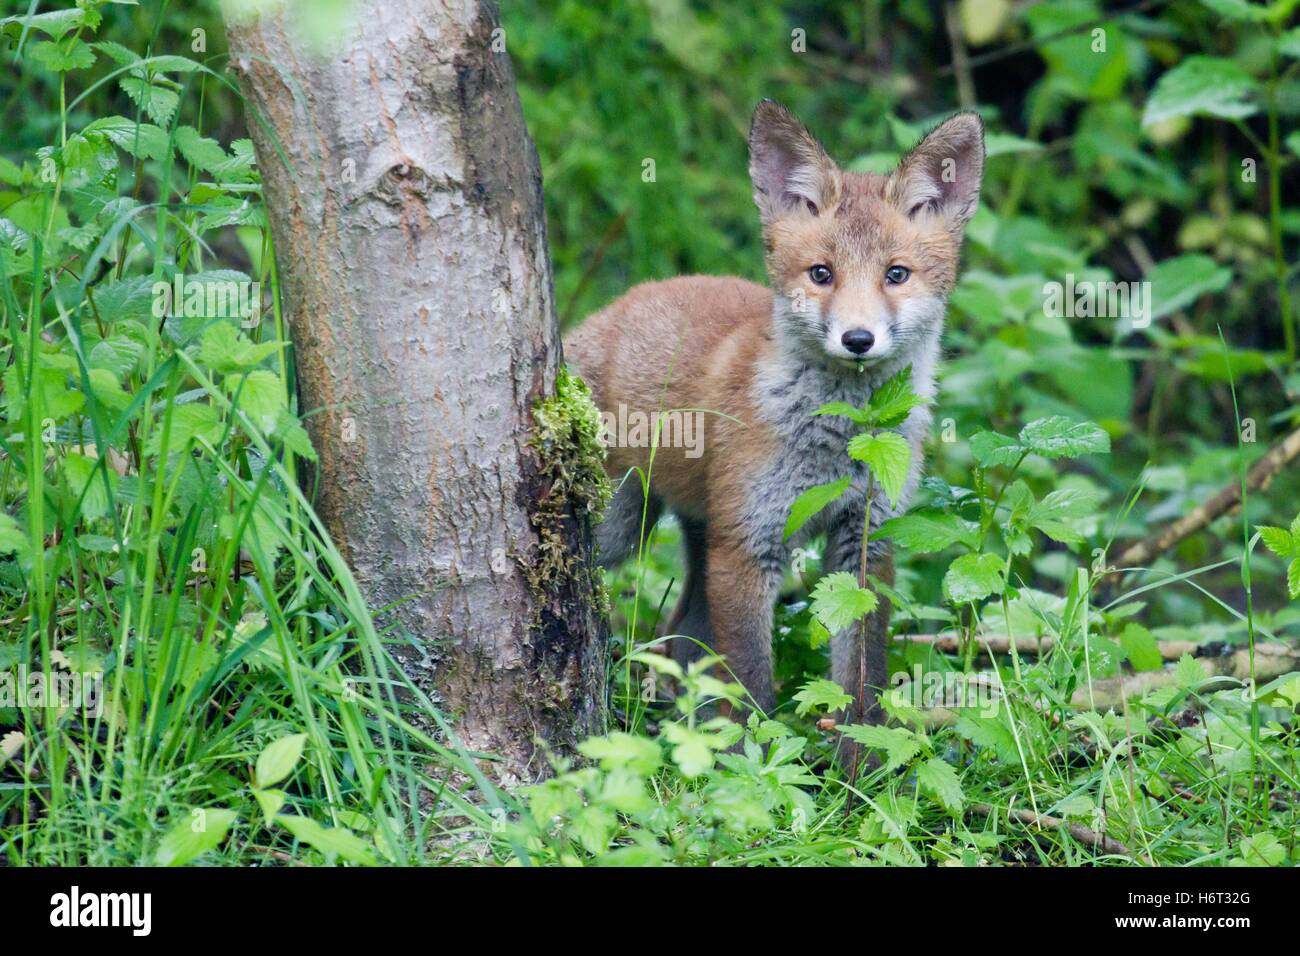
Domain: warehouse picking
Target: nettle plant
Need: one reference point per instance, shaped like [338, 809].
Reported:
[680, 797]
[840, 599]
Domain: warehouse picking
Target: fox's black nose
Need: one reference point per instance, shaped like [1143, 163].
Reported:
[858, 341]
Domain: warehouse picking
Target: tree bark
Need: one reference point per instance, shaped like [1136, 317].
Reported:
[405, 202]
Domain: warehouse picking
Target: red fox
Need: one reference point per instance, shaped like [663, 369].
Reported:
[860, 267]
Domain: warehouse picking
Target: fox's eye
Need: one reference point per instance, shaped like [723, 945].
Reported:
[897, 275]
[820, 274]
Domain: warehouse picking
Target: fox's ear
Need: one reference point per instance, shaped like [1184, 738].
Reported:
[943, 173]
[789, 169]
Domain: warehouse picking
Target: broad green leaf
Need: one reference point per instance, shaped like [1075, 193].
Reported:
[1140, 647]
[1188, 672]
[890, 403]
[55, 23]
[838, 601]
[195, 833]
[290, 431]
[1279, 541]
[992, 448]
[973, 577]
[1177, 283]
[924, 532]
[990, 732]
[157, 99]
[332, 841]
[1288, 44]
[79, 471]
[619, 749]
[142, 140]
[189, 421]
[1244, 10]
[13, 540]
[899, 745]
[692, 750]
[200, 152]
[1059, 437]
[223, 348]
[844, 410]
[271, 802]
[889, 457]
[1202, 86]
[938, 778]
[813, 501]
[60, 56]
[822, 695]
[279, 758]
[1293, 579]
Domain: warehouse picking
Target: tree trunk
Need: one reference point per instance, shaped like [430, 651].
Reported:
[405, 202]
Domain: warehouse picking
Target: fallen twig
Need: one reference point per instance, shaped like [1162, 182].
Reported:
[1224, 500]
[1077, 830]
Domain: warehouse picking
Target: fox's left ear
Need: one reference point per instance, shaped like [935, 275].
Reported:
[943, 173]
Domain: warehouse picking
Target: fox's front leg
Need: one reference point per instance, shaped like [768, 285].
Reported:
[741, 588]
[861, 669]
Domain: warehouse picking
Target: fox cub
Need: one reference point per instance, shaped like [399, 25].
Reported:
[860, 268]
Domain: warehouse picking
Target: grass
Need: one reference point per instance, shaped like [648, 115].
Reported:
[158, 532]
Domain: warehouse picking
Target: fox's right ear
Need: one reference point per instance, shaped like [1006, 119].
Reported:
[789, 169]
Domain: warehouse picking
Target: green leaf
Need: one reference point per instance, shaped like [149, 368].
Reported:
[1179, 282]
[1050, 514]
[900, 745]
[889, 457]
[891, 402]
[223, 348]
[189, 421]
[1288, 44]
[194, 834]
[1141, 648]
[812, 501]
[200, 152]
[692, 751]
[55, 23]
[1243, 10]
[844, 410]
[279, 758]
[838, 601]
[973, 577]
[1202, 86]
[924, 532]
[938, 778]
[1279, 541]
[79, 473]
[992, 448]
[1059, 437]
[13, 540]
[290, 431]
[1188, 672]
[60, 56]
[332, 841]
[620, 749]
[141, 140]
[1293, 579]
[271, 802]
[989, 732]
[823, 695]
[158, 100]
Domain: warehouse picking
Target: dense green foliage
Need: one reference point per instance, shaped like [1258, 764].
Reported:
[155, 529]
